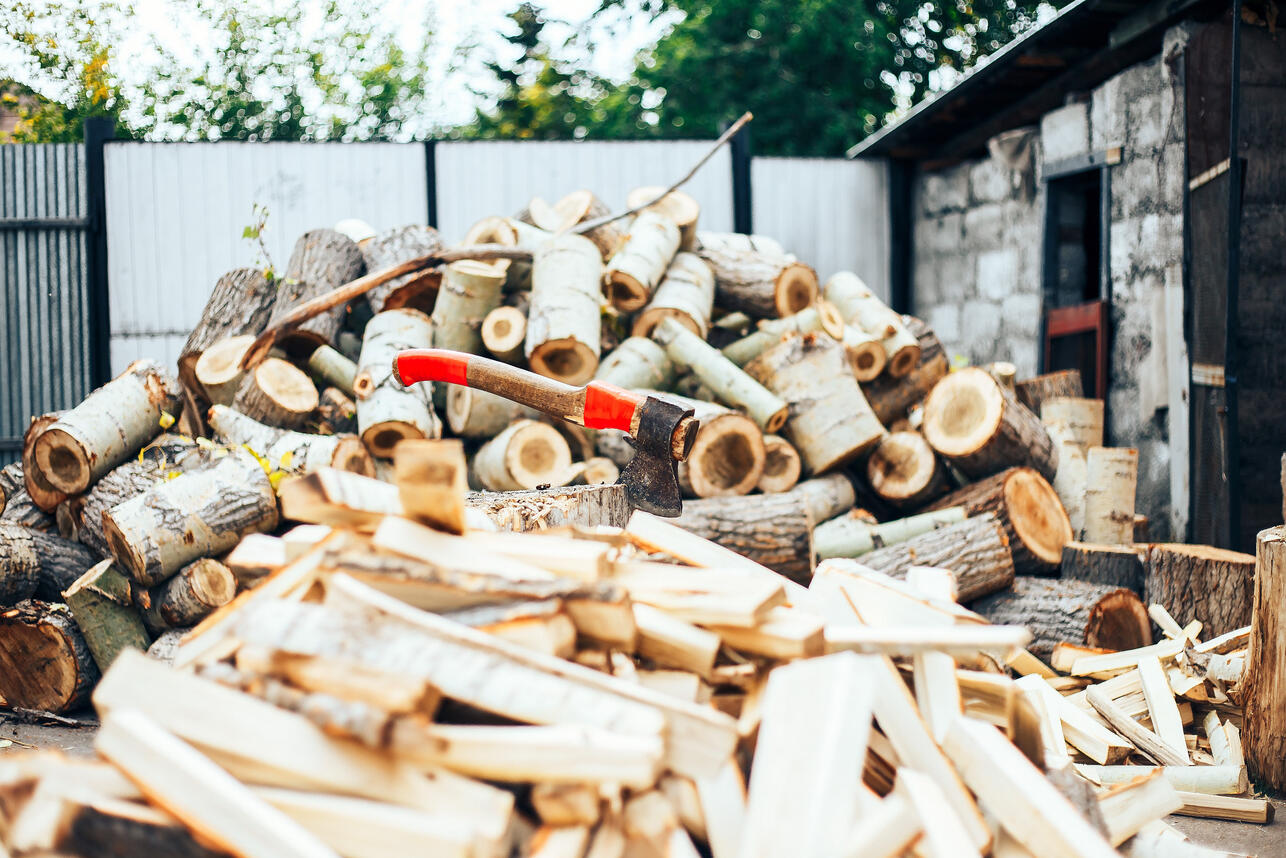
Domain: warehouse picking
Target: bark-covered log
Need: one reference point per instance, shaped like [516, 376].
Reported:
[978, 427]
[394, 246]
[727, 457]
[479, 414]
[42, 492]
[975, 549]
[578, 207]
[1070, 481]
[564, 327]
[1117, 565]
[818, 316]
[388, 411]
[635, 270]
[33, 562]
[102, 603]
[1034, 391]
[830, 422]
[470, 290]
[109, 828]
[322, 261]
[218, 371]
[110, 425]
[760, 284]
[241, 303]
[775, 530]
[637, 363]
[525, 455]
[826, 496]
[18, 506]
[859, 306]
[858, 533]
[585, 506]
[866, 354]
[1075, 419]
[686, 293]
[196, 514]
[891, 398]
[504, 330]
[782, 465]
[507, 232]
[678, 206]
[1077, 612]
[278, 393]
[336, 412]
[44, 661]
[124, 483]
[905, 472]
[331, 367]
[289, 451]
[1110, 481]
[1264, 688]
[190, 596]
[1026, 505]
[1200, 582]
[739, 241]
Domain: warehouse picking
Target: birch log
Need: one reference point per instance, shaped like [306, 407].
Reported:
[635, 271]
[732, 385]
[975, 549]
[322, 261]
[859, 306]
[525, 455]
[42, 492]
[336, 412]
[1076, 612]
[904, 471]
[977, 426]
[678, 206]
[852, 535]
[35, 563]
[580, 206]
[686, 293]
[1111, 474]
[191, 595]
[502, 231]
[818, 316]
[278, 393]
[475, 413]
[760, 284]
[563, 324]
[830, 422]
[1201, 582]
[866, 355]
[1078, 420]
[1033, 392]
[503, 332]
[826, 496]
[288, 451]
[196, 514]
[782, 465]
[240, 304]
[332, 368]
[773, 530]
[1264, 689]
[218, 371]
[44, 661]
[393, 247]
[637, 362]
[124, 483]
[740, 241]
[727, 457]
[892, 398]
[470, 290]
[387, 411]
[103, 607]
[19, 508]
[1070, 482]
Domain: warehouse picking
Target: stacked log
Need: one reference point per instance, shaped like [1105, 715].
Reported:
[1066, 611]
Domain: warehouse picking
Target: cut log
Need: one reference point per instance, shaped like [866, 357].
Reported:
[1199, 582]
[1034, 391]
[102, 604]
[563, 324]
[818, 316]
[782, 465]
[191, 595]
[1026, 505]
[333, 368]
[686, 293]
[637, 363]
[525, 455]
[866, 355]
[1078, 612]
[45, 663]
[504, 330]
[33, 562]
[194, 515]
[727, 457]
[1111, 475]
[904, 471]
[578, 207]
[739, 241]
[830, 422]
[1116, 565]
[599, 471]
[241, 303]
[475, 413]
[470, 290]
[125, 482]
[634, 271]
[289, 451]
[892, 398]
[678, 206]
[852, 535]
[1069, 483]
[218, 370]
[501, 231]
[42, 492]
[336, 412]
[278, 393]
[1264, 688]
[110, 425]
[730, 384]
[859, 306]
[321, 261]
[773, 530]
[978, 427]
[583, 506]
[976, 550]
[1077, 420]
[388, 411]
[394, 246]
[16, 501]
[432, 481]
[760, 284]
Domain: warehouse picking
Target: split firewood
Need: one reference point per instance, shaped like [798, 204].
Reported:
[16, 502]
[563, 324]
[818, 316]
[278, 393]
[527, 454]
[102, 603]
[36, 563]
[686, 293]
[110, 425]
[504, 330]
[432, 481]
[637, 362]
[339, 499]
[760, 284]
[470, 290]
[241, 303]
[773, 530]
[1027, 507]
[45, 663]
[333, 368]
[676, 205]
[634, 272]
[321, 261]
[975, 549]
[826, 496]
[1264, 688]
[852, 535]
[1120, 566]
[1074, 419]
[290, 451]
[388, 411]
[190, 596]
[892, 398]
[76, 820]
[473, 413]
[782, 465]
[859, 306]
[830, 422]
[1055, 610]
[1214, 584]
[42, 492]
[392, 247]
[1109, 494]
[1034, 391]
[904, 471]
[979, 428]
[196, 514]
[336, 412]
[728, 455]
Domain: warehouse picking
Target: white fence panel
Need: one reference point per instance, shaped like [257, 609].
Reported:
[833, 214]
[480, 178]
[176, 211]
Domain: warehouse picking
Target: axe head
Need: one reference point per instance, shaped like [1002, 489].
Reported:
[664, 438]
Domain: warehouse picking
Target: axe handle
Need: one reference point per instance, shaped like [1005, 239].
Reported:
[597, 405]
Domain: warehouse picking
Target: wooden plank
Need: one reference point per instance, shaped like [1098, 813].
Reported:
[784, 633]
[944, 834]
[583, 559]
[1045, 701]
[670, 642]
[701, 596]
[936, 691]
[1085, 732]
[1127, 808]
[907, 641]
[1162, 710]
[1109, 664]
[570, 804]
[1226, 807]
[1211, 780]
[1026, 664]
[886, 831]
[723, 805]
[851, 593]
[1148, 742]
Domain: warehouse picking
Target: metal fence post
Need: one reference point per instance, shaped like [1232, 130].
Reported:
[431, 180]
[742, 207]
[98, 131]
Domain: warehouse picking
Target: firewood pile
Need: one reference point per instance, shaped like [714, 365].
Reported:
[367, 658]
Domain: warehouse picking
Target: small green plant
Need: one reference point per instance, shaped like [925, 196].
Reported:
[254, 232]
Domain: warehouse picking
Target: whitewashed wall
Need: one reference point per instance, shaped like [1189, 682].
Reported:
[831, 213]
[176, 211]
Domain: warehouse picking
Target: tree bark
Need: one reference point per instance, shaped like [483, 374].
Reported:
[278, 393]
[563, 324]
[194, 515]
[635, 270]
[891, 398]
[759, 284]
[18, 507]
[103, 606]
[125, 482]
[475, 413]
[859, 306]
[827, 496]
[241, 303]
[387, 411]
[1264, 687]
[1111, 475]
[322, 261]
[975, 549]
[1115, 565]
[331, 367]
[782, 465]
[504, 330]
[585, 506]
[470, 290]
[830, 421]
[1078, 420]
[336, 412]
[1070, 483]
[1199, 582]
[727, 457]
[45, 663]
[774, 530]
[1076, 612]
[678, 206]
[686, 294]
[977, 426]
[905, 472]
[112, 424]
[818, 316]
[42, 492]
[391, 247]
[190, 596]
[1029, 510]
[289, 451]
[33, 562]
[856, 533]
[1034, 391]
[525, 455]
[218, 371]
[637, 363]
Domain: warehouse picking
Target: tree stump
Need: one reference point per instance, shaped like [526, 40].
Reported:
[727, 457]
[45, 663]
[975, 550]
[563, 324]
[112, 424]
[759, 284]
[978, 427]
[241, 303]
[278, 393]
[773, 530]
[634, 271]
[782, 465]
[475, 413]
[416, 290]
[504, 330]
[322, 261]
[905, 472]
[686, 294]
[42, 492]
[1115, 565]
[678, 206]
[525, 455]
[1078, 420]
[289, 451]
[1263, 689]
[859, 306]
[470, 290]
[637, 363]
[388, 411]
[1111, 475]
[891, 398]
[190, 596]
[818, 316]
[1200, 582]
[1034, 391]
[18, 507]
[826, 496]
[102, 603]
[1077, 612]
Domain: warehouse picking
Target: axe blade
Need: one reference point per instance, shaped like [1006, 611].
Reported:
[652, 485]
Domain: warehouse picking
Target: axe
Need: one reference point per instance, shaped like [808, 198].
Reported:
[660, 432]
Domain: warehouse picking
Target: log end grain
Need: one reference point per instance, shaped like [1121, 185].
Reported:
[566, 359]
[962, 412]
[351, 454]
[625, 292]
[44, 661]
[904, 471]
[647, 321]
[782, 467]
[1037, 515]
[795, 289]
[62, 461]
[1119, 621]
[727, 457]
[381, 438]
[503, 331]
